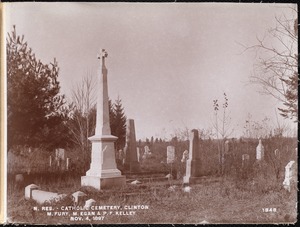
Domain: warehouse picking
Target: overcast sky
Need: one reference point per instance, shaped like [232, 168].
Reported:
[167, 62]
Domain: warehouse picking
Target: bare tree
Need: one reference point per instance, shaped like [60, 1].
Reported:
[222, 122]
[257, 129]
[222, 125]
[82, 123]
[276, 70]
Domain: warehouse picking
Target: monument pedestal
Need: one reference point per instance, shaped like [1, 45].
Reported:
[104, 182]
[103, 175]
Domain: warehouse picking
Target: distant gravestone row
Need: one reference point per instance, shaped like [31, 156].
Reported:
[60, 161]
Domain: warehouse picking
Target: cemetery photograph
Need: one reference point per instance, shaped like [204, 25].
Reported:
[144, 113]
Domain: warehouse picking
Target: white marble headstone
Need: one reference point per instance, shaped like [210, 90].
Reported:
[260, 151]
[29, 189]
[170, 154]
[89, 203]
[185, 156]
[147, 150]
[60, 154]
[138, 154]
[289, 172]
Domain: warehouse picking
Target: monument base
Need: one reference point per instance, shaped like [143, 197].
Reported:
[104, 182]
[192, 180]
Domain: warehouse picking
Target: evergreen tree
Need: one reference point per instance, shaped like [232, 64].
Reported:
[112, 115]
[277, 65]
[118, 123]
[291, 103]
[34, 105]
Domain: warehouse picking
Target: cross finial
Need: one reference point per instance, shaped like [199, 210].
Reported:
[103, 55]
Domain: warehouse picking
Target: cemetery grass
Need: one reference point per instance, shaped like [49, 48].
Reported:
[215, 200]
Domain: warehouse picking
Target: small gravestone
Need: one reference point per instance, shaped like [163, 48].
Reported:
[277, 154]
[260, 150]
[172, 188]
[290, 175]
[68, 163]
[193, 164]
[19, 178]
[135, 182]
[187, 189]
[78, 198]
[245, 160]
[168, 176]
[147, 150]
[121, 157]
[185, 156]
[227, 157]
[227, 147]
[46, 197]
[138, 154]
[170, 154]
[131, 159]
[29, 189]
[60, 154]
[89, 203]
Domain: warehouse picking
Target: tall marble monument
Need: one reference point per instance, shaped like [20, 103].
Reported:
[103, 172]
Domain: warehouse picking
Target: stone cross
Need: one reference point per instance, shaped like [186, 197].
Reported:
[33, 191]
[103, 172]
[103, 54]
